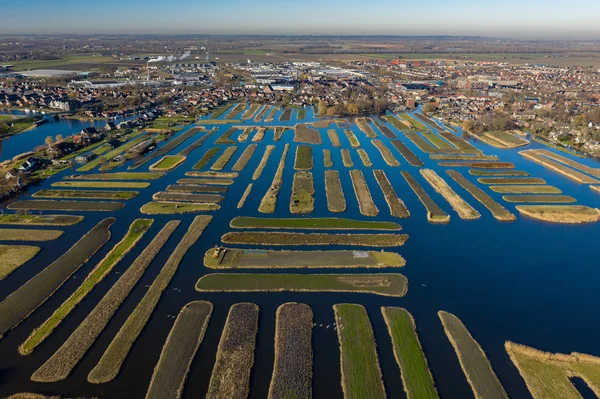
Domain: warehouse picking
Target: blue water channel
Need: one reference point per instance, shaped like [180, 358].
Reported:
[525, 281]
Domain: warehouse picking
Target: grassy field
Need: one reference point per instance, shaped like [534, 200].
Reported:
[261, 113]
[224, 159]
[22, 302]
[100, 184]
[136, 231]
[414, 122]
[245, 195]
[479, 165]
[165, 149]
[361, 374]
[327, 160]
[304, 158]
[416, 377]
[86, 194]
[215, 174]
[249, 114]
[70, 59]
[336, 202]
[220, 111]
[269, 201]
[29, 235]
[60, 365]
[347, 158]
[564, 166]
[286, 115]
[14, 256]
[396, 205]
[206, 181]
[568, 214]
[497, 210]
[292, 370]
[40, 220]
[511, 180]
[205, 159]
[524, 189]
[49, 205]
[242, 222]
[363, 194]
[472, 358]
[306, 134]
[364, 127]
[186, 198]
[540, 199]
[225, 138]
[302, 200]
[119, 176]
[462, 208]
[380, 123]
[170, 373]
[176, 208]
[549, 375]
[218, 122]
[235, 111]
[244, 158]
[260, 135]
[352, 138]
[301, 114]
[182, 188]
[407, 153]
[230, 377]
[389, 284]
[263, 162]
[111, 154]
[435, 214]
[502, 173]
[168, 162]
[364, 157]
[397, 123]
[284, 238]
[231, 258]
[385, 152]
[198, 143]
[334, 138]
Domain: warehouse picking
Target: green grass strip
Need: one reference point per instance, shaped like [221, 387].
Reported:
[208, 155]
[136, 231]
[416, 377]
[243, 222]
[224, 159]
[388, 284]
[361, 374]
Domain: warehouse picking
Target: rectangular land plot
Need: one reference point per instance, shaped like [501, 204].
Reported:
[224, 159]
[269, 201]
[302, 200]
[164, 196]
[304, 158]
[407, 153]
[243, 222]
[497, 210]
[385, 152]
[511, 180]
[347, 158]
[352, 137]
[396, 205]
[388, 284]
[40, 220]
[182, 188]
[206, 158]
[540, 199]
[100, 184]
[292, 371]
[235, 355]
[566, 214]
[435, 214]
[176, 208]
[119, 176]
[478, 165]
[173, 366]
[335, 139]
[361, 374]
[79, 206]
[206, 181]
[336, 202]
[263, 162]
[18, 305]
[416, 376]
[474, 362]
[284, 238]
[306, 134]
[498, 173]
[462, 208]
[364, 127]
[14, 256]
[29, 235]
[363, 194]
[232, 258]
[559, 168]
[244, 158]
[525, 189]
[86, 194]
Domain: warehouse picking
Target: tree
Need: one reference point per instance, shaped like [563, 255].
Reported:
[467, 125]
[49, 141]
[59, 138]
[352, 108]
[322, 107]
[428, 108]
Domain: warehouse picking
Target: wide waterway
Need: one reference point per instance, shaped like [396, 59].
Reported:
[524, 281]
[28, 140]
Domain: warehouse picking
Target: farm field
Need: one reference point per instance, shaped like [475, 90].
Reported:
[261, 251]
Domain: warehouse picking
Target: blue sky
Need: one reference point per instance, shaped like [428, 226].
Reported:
[530, 18]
